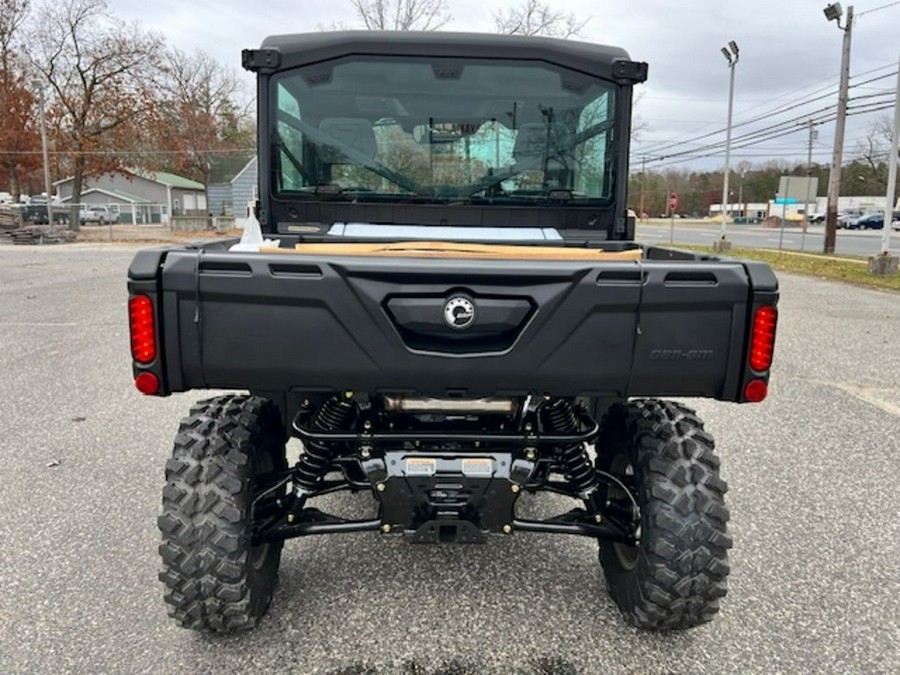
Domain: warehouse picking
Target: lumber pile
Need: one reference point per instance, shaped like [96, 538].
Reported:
[10, 218]
[38, 235]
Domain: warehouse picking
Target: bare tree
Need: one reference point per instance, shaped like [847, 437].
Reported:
[12, 15]
[534, 17]
[873, 149]
[103, 77]
[205, 112]
[18, 136]
[638, 124]
[403, 14]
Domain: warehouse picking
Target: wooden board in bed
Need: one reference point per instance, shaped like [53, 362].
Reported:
[445, 249]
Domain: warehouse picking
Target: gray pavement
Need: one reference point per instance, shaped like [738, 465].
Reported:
[848, 242]
[815, 585]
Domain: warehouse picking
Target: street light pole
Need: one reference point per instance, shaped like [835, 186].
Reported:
[40, 87]
[833, 13]
[723, 244]
[892, 177]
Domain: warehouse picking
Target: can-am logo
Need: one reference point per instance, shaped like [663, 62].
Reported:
[682, 355]
[459, 312]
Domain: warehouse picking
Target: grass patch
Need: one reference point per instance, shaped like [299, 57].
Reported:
[848, 270]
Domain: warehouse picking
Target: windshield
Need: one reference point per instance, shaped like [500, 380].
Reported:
[391, 129]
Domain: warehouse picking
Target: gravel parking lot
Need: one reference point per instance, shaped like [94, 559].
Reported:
[815, 583]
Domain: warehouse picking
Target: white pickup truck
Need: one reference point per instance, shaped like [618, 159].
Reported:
[101, 215]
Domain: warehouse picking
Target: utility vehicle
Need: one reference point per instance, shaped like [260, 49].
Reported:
[453, 311]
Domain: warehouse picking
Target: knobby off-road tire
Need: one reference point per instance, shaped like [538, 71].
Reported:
[676, 575]
[215, 579]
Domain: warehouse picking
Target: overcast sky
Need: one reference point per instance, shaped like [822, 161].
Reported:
[789, 52]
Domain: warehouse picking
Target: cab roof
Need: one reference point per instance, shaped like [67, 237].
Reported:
[282, 52]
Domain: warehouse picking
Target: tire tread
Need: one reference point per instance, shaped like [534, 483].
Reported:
[205, 521]
[682, 567]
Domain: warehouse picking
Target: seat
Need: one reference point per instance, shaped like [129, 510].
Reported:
[531, 142]
[353, 132]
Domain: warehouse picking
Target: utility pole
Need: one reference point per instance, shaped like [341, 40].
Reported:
[809, 172]
[643, 182]
[833, 13]
[40, 87]
[885, 263]
[723, 244]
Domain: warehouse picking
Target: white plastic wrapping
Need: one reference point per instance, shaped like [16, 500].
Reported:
[252, 239]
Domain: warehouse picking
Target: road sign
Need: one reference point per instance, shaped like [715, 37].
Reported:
[798, 187]
[673, 201]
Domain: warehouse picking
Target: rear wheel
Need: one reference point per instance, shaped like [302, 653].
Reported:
[668, 478]
[215, 578]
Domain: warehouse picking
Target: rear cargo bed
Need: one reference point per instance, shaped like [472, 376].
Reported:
[670, 324]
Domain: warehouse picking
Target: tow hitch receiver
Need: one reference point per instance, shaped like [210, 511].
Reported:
[437, 497]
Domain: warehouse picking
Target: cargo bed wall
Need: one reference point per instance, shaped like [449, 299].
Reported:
[274, 323]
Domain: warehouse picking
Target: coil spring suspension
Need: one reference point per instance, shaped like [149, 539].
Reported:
[334, 415]
[558, 417]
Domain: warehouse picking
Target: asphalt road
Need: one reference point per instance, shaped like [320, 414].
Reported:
[848, 242]
[815, 584]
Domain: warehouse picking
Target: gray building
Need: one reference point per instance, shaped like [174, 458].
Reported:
[139, 196]
[232, 183]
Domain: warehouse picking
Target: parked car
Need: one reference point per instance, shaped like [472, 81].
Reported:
[875, 221]
[817, 217]
[99, 215]
[895, 220]
[847, 220]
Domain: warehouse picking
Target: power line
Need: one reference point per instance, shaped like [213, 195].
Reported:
[748, 141]
[756, 154]
[758, 133]
[767, 115]
[830, 78]
[792, 92]
[777, 130]
[878, 9]
[880, 94]
[659, 146]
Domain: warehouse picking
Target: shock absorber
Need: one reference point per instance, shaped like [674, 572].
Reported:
[558, 417]
[334, 415]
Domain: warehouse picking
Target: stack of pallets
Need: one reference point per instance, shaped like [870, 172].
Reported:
[10, 219]
[41, 234]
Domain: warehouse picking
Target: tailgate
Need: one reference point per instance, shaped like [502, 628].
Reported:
[270, 322]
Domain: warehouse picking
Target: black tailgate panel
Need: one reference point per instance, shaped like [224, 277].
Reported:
[264, 323]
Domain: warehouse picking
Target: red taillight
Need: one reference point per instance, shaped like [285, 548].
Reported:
[147, 383]
[143, 334]
[756, 391]
[762, 340]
